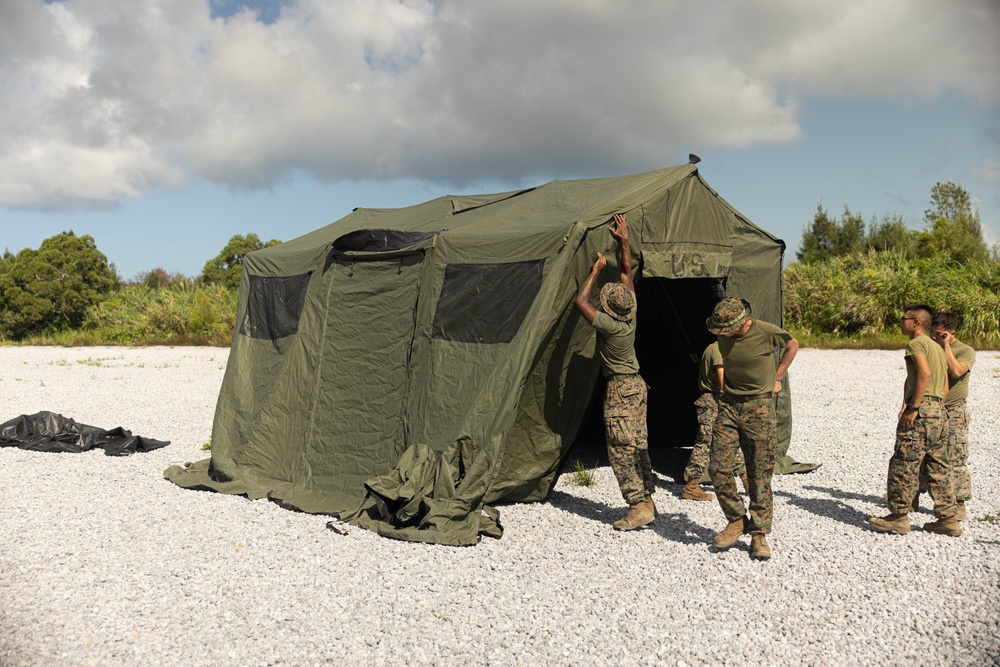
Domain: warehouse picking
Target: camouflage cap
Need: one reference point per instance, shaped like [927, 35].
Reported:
[729, 315]
[618, 301]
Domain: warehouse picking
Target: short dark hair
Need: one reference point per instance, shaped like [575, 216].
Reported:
[925, 314]
[947, 321]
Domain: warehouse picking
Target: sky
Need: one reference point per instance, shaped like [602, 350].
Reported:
[162, 128]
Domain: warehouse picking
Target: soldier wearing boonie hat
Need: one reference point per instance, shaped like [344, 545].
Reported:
[625, 396]
[618, 301]
[729, 315]
[711, 377]
[747, 419]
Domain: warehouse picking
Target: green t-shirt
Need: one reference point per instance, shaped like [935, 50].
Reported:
[708, 378]
[938, 363]
[958, 388]
[749, 359]
[616, 344]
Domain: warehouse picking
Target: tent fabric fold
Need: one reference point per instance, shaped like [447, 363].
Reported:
[426, 496]
[51, 432]
[427, 363]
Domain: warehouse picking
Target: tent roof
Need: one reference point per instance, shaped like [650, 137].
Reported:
[552, 205]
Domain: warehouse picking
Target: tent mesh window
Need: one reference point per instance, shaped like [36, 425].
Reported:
[379, 240]
[486, 303]
[274, 305]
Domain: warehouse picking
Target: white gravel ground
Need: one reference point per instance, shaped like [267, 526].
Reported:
[103, 562]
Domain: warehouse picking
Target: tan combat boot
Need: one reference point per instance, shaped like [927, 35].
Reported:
[947, 526]
[759, 548]
[693, 492]
[638, 516]
[651, 505]
[893, 523]
[727, 536]
[960, 515]
[746, 483]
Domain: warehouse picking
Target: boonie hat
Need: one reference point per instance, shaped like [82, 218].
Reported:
[618, 301]
[729, 315]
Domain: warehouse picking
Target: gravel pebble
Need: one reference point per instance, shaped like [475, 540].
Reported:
[106, 563]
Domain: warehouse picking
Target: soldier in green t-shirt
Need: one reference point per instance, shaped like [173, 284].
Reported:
[921, 434]
[747, 419]
[625, 396]
[960, 358]
[711, 377]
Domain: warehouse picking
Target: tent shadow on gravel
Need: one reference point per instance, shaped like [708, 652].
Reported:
[592, 452]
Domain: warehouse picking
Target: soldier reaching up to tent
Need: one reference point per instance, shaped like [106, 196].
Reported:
[747, 419]
[625, 397]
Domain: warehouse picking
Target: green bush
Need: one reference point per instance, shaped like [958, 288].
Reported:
[861, 296]
[226, 269]
[50, 289]
[158, 278]
[181, 314]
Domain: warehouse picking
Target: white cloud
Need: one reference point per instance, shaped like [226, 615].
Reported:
[889, 49]
[988, 172]
[109, 99]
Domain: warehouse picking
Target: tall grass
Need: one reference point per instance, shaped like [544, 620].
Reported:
[849, 301]
[181, 314]
[859, 298]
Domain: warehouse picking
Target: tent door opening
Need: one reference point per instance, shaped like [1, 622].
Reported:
[670, 338]
[669, 341]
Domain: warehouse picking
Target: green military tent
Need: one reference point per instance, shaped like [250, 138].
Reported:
[408, 368]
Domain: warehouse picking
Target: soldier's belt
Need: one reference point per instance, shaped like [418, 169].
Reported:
[738, 398]
[622, 376]
[935, 399]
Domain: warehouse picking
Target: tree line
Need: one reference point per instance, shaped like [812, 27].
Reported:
[851, 280]
[951, 229]
[846, 288]
[68, 285]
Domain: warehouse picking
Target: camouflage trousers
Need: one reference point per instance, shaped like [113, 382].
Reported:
[707, 408]
[625, 431]
[750, 426]
[925, 444]
[958, 452]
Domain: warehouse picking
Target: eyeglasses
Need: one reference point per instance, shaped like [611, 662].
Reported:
[903, 319]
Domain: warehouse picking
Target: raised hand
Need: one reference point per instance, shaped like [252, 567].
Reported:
[619, 229]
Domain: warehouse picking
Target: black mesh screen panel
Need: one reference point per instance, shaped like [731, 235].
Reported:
[486, 303]
[274, 305]
[379, 240]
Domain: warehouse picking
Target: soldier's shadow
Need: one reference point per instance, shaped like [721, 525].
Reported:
[836, 506]
[674, 526]
[876, 500]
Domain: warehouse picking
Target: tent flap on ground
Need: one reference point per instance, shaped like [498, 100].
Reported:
[408, 368]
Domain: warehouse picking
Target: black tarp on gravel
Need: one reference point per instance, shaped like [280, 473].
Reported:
[51, 432]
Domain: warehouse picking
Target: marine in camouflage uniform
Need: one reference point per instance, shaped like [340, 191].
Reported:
[710, 378]
[625, 431]
[625, 396]
[747, 419]
[921, 433]
[960, 359]
[707, 409]
[958, 452]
